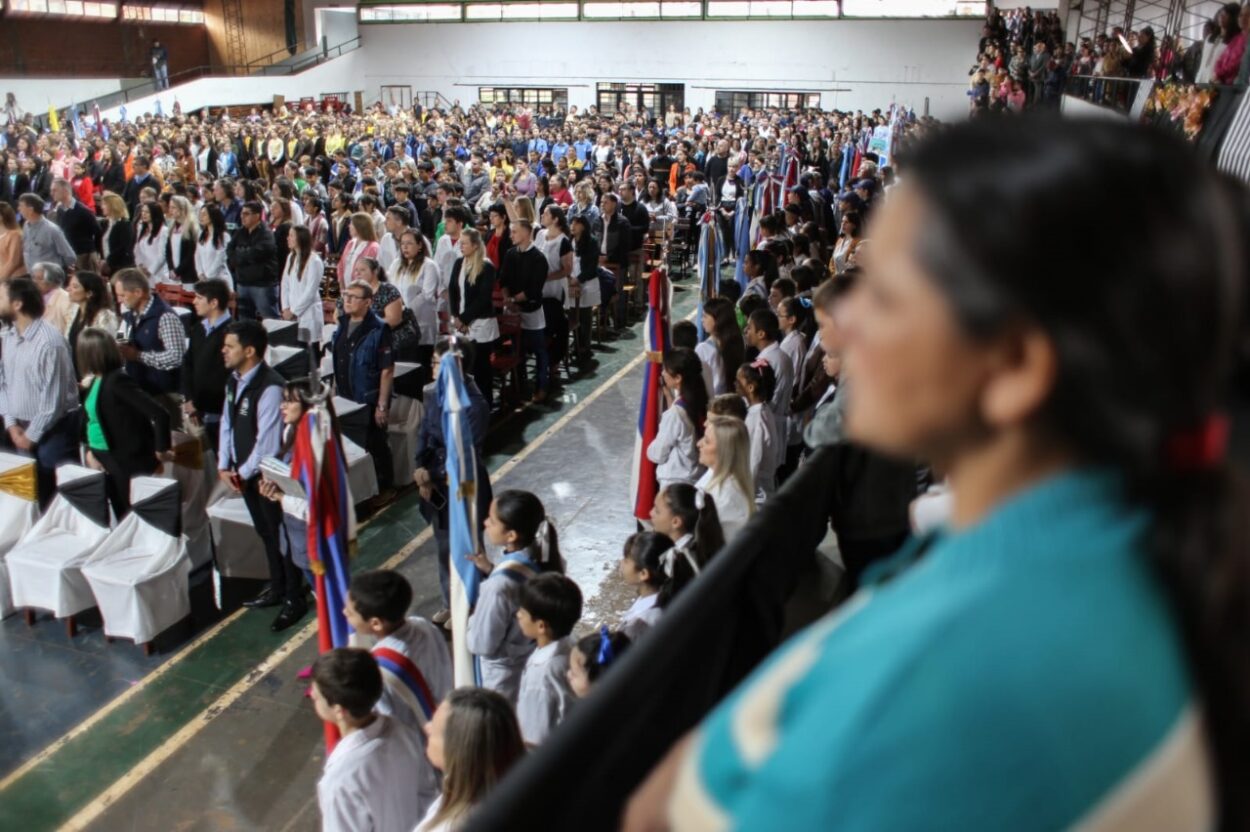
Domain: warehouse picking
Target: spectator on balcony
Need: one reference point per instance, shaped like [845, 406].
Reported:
[160, 65]
[1227, 29]
[1229, 67]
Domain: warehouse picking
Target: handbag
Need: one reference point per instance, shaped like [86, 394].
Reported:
[407, 333]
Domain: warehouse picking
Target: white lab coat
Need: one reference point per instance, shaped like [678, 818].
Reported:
[783, 369]
[421, 293]
[446, 253]
[673, 450]
[641, 616]
[210, 261]
[762, 429]
[732, 506]
[494, 635]
[367, 783]
[302, 295]
[545, 695]
[713, 367]
[150, 256]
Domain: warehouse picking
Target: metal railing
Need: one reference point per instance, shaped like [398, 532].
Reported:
[263, 66]
[1119, 94]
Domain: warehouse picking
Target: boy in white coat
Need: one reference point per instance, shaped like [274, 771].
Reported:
[367, 783]
[550, 606]
[411, 654]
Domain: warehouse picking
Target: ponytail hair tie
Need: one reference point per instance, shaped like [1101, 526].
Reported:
[606, 655]
[541, 538]
[806, 303]
[1199, 448]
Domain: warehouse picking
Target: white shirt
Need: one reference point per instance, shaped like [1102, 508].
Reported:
[673, 450]
[421, 293]
[301, 293]
[713, 367]
[426, 826]
[446, 253]
[495, 636]
[545, 695]
[388, 250]
[732, 506]
[210, 261]
[367, 784]
[550, 247]
[794, 346]
[641, 616]
[763, 432]
[150, 256]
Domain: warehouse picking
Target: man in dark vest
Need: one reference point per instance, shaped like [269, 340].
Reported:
[204, 373]
[251, 429]
[154, 340]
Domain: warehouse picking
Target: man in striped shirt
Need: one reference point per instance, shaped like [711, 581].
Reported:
[38, 394]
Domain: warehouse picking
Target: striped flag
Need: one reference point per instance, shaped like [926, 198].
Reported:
[742, 240]
[462, 514]
[643, 481]
[318, 463]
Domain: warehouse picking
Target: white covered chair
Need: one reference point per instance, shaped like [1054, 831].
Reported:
[362, 477]
[281, 332]
[195, 469]
[45, 567]
[19, 509]
[291, 362]
[140, 574]
[240, 553]
[405, 421]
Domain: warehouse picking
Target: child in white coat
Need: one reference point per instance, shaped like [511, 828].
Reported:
[551, 606]
[673, 449]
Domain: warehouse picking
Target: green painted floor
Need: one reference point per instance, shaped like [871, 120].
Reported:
[79, 769]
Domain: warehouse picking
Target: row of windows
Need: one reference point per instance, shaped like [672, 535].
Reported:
[667, 9]
[105, 11]
[655, 97]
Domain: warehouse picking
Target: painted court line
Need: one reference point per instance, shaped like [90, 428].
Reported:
[168, 748]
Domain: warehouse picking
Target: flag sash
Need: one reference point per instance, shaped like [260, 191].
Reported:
[411, 687]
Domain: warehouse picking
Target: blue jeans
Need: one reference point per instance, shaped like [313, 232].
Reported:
[262, 300]
[535, 341]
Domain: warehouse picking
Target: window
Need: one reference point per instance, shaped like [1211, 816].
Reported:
[656, 98]
[912, 8]
[730, 102]
[414, 13]
[64, 8]
[617, 11]
[680, 8]
[162, 14]
[524, 95]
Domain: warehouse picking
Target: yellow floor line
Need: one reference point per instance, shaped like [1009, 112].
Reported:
[168, 748]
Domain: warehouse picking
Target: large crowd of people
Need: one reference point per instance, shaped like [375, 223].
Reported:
[937, 353]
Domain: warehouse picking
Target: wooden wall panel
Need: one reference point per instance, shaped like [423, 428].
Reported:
[52, 48]
[264, 27]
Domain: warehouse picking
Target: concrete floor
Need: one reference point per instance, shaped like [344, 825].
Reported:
[216, 733]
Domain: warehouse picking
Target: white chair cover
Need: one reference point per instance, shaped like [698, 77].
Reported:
[240, 551]
[45, 567]
[280, 332]
[17, 515]
[197, 485]
[405, 421]
[362, 477]
[139, 575]
[291, 362]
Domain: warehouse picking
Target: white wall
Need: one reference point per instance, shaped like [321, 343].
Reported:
[855, 64]
[37, 94]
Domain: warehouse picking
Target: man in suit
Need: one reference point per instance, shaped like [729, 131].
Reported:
[251, 430]
[79, 225]
[615, 240]
[143, 178]
[204, 375]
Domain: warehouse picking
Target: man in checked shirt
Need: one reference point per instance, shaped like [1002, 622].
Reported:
[154, 340]
[38, 390]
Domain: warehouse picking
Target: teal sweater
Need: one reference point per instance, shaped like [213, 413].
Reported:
[1014, 677]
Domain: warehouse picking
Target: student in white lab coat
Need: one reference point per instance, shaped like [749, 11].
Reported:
[688, 517]
[642, 567]
[756, 384]
[411, 653]
[591, 656]
[420, 284]
[473, 740]
[550, 606]
[673, 448]
[725, 451]
[723, 350]
[210, 249]
[151, 237]
[518, 523]
[301, 285]
[763, 332]
[367, 783]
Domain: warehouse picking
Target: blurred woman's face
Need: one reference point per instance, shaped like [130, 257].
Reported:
[921, 385]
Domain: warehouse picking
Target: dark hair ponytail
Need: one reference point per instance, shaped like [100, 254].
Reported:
[1144, 324]
[699, 518]
[523, 513]
[694, 392]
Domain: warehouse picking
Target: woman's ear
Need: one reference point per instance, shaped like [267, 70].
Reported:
[1023, 379]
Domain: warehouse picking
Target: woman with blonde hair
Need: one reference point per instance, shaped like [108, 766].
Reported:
[118, 238]
[363, 243]
[725, 451]
[184, 234]
[470, 292]
[474, 740]
[584, 204]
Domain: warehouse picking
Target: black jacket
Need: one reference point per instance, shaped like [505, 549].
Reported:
[525, 272]
[253, 257]
[113, 178]
[620, 238]
[80, 226]
[635, 213]
[479, 296]
[124, 409]
[133, 188]
[121, 246]
[10, 191]
[185, 270]
[204, 373]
